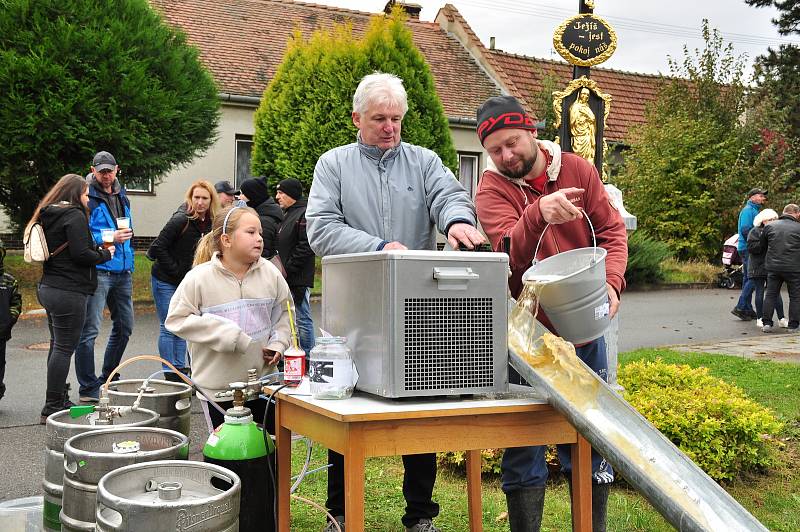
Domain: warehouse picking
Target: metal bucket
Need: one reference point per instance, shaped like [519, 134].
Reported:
[172, 401]
[61, 427]
[168, 496]
[573, 290]
[89, 456]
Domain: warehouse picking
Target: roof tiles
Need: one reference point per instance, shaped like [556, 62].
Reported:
[242, 43]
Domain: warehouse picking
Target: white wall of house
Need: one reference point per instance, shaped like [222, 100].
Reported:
[150, 211]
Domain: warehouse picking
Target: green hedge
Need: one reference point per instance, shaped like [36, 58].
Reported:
[646, 257]
[714, 423]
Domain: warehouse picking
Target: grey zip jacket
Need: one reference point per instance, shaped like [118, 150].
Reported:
[363, 197]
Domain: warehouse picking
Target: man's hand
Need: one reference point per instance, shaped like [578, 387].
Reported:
[613, 301]
[465, 234]
[111, 249]
[121, 235]
[557, 208]
[271, 357]
[394, 245]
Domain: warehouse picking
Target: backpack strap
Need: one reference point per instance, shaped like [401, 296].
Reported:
[185, 227]
[58, 250]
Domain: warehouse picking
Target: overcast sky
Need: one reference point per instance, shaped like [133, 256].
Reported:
[648, 31]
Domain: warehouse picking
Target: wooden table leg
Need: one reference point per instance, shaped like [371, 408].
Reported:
[284, 459]
[354, 481]
[581, 485]
[474, 491]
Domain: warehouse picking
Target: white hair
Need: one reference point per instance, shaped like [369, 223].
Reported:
[380, 88]
[766, 215]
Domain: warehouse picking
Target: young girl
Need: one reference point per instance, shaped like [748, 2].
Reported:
[231, 308]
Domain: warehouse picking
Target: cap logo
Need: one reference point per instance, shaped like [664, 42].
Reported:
[504, 120]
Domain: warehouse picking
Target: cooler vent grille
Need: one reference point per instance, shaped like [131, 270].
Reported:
[448, 343]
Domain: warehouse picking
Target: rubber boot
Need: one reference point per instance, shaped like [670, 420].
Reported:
[599, 506]
[525, 507]
[54, 402]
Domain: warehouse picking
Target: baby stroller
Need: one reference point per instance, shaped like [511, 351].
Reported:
[731, 276]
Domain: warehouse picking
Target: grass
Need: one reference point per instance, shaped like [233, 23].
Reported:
[678, 272]
[29, 275]
[773, 498]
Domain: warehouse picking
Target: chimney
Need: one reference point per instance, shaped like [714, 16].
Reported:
[491, 43]
[412, 10]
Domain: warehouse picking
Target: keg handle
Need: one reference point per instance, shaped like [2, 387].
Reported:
[594, 239]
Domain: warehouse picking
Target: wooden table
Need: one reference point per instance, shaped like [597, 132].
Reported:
[366, 425]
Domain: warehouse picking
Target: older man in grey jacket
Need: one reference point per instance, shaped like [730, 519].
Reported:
[380, 193]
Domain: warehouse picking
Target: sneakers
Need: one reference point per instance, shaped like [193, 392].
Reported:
[759, 323]
[767, 328]
[330, 527]
[89, 399]
[744, 315]
[784, 322]
[424, 525]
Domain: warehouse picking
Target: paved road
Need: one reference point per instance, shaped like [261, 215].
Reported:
[647, 319]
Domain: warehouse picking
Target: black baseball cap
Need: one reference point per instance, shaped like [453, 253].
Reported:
[104, 161]
[225, 187]
[757, 190]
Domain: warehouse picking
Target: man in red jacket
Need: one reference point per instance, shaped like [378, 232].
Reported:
[529, 185]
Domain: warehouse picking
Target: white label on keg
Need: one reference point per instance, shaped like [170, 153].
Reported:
[601, 311]
[338, 372]
[212, 440]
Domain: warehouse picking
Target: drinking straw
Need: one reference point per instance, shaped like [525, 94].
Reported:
[291, 323]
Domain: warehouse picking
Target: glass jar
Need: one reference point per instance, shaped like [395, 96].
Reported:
[331, 369]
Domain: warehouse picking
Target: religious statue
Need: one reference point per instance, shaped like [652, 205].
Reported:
[582, 126]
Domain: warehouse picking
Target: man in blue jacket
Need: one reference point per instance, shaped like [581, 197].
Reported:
[109, 209]
[755, 199]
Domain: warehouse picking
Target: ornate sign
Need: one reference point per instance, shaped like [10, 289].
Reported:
[580, 121]
[585, 40]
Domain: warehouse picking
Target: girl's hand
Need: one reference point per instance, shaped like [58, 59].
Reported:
[271, 357]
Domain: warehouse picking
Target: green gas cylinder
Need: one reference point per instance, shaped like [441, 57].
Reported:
[238, 444]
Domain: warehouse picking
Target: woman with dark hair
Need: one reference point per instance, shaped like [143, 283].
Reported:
[68, 278]
[173, 251]
[255, 192]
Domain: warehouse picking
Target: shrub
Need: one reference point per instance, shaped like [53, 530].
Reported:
[714, 423]
[306, 108]
[80, 76]
[646, 257]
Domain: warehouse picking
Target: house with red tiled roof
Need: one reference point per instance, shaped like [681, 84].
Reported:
[242, 43]
[522, 77]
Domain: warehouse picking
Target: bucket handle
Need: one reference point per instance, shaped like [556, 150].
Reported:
[594, 238]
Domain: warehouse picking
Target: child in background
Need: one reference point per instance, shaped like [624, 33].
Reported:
[231, 308]
[10, 307]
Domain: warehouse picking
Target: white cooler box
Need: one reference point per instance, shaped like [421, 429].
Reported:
[421, 323]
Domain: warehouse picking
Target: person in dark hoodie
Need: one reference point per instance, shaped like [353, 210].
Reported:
[255, 192]
[69, 278]
[173, 251]
[109, 208]
[297, 256]
[10, 308]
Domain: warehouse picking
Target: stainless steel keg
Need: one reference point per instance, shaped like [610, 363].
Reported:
[89, 456]
[61, 427]
[169, 496]
[172, 400]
